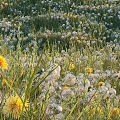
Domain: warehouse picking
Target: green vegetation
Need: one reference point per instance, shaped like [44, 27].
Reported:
[60, 60]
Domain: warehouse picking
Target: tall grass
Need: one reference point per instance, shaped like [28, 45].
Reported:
[63, 59]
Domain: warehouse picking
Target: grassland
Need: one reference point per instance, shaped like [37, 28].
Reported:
[60, 60]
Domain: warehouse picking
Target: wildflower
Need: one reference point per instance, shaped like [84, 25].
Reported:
[3, 3]
[15, 25]
[89, 70]
[65, 88]
[96, 110]
[101, 83]
[70, 15]
[101, 50]
[13, 107]
[84, 41]
[115, 113]
[69, 79]
[55, 74]
[58, 109]
[34, 38]
[112, 92]
[103, 91]
[78, 41]
[3, 63]
[100, 41]
[71, 38]
[75, 16]
[80, 22]
[71, 66]
[6, 4]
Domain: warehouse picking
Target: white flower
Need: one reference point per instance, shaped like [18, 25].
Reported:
[58, 108]
[90, 95]
[67, 93]
[69, 79]
[115, 75]
[103, 90]
[53, 109]
[112, 92]
[53, 72]
[108, 85]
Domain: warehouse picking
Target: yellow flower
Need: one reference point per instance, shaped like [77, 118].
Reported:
[70, 15]
[100, 41]
[89, 70]
[71, 66]
[101, 50]
[115, 112]
[70, 38]
[3, 63]
[86, 6]
[80, 22]
[78, 41]
[34, 38]
[15, 25]
[84, 41]
[3, 3]
[96, 110]
[65, 88]
[101, 83]
[75, 16]
[13, 107]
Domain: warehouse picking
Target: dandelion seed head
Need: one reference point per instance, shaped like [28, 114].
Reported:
[13, 107]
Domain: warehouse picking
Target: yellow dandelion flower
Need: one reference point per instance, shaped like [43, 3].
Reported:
[13, 107]
[71, 66]
[70, 15]
[101, 83]
[3, 63]
[89, 70]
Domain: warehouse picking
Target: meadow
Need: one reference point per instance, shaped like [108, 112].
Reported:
[60, 60]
